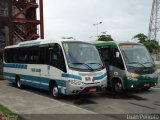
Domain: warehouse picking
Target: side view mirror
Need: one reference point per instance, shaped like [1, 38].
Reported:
[117, 54]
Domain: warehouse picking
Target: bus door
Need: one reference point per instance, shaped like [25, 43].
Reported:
[113, 61]
[105, 54]
[52, 58]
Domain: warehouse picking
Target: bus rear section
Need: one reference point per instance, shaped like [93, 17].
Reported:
[129, 65]
[61, 67]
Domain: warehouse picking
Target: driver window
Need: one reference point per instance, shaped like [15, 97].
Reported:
[116, 60]
[56, 57]
[105, 55]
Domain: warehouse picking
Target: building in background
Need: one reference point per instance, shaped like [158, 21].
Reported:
[20, 20]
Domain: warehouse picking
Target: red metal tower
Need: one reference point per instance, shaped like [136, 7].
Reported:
[23, 23]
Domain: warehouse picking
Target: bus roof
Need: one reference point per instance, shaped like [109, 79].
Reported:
[113, 43]
[41, 42]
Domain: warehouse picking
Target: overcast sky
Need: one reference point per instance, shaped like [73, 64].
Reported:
[75, 18]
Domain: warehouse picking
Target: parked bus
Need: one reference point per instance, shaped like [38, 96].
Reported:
[61, 67]
[129, 65]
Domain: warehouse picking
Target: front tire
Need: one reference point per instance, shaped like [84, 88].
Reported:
[117, 86]
[54, 92]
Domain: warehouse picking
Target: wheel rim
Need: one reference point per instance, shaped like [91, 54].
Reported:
[55, 91]
[118, 87]
[19, 83]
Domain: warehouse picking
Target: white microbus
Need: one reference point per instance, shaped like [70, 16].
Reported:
[61, 67]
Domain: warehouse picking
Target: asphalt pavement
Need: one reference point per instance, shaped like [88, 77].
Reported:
[33, 103]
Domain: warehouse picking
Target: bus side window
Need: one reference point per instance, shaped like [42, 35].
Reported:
[1, 57]
[116, 60]
[14, 55]
[22, 56]
[56, 57]
[6, 56]
[105, 53]
[43, 55]
[10, 55]
[34, 55]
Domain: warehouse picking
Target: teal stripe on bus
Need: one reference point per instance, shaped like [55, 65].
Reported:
[18, 66]
[36, 79]
[100, 77]
[71, 76]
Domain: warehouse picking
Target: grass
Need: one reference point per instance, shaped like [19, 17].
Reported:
[9, 114]
[158, 66]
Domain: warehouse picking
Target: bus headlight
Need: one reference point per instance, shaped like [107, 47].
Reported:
[132, 76]
[75, 82]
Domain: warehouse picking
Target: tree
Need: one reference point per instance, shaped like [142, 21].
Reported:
[152, 45]
[141, 37]
[105, 37]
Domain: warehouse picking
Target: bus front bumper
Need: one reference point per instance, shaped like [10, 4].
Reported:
[86, 88]
[129, 84]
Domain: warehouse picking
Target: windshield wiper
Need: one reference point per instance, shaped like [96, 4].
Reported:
[97, 64]
[137, 63]
[85, 65]
[149, 62]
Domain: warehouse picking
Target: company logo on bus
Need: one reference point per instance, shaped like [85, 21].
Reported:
[90, 74]
[87, 78]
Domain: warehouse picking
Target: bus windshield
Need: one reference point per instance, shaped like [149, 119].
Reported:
[82, 56]
[136, 55]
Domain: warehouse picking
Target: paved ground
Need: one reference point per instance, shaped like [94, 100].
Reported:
[130, 102]
[33, 101]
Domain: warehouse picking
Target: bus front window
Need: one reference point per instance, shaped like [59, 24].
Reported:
[82, 56]
[136, 56]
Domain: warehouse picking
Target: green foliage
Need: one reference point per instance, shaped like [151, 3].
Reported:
[158, 66]
[9, 114]
[5, 110]
[152, 45]
[105, 37]
[141, 37]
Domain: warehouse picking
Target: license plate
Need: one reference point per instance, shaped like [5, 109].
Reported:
[146, 85]
[92, 90]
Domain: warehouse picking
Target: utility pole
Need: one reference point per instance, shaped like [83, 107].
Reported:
[97, 24]
[154, 26]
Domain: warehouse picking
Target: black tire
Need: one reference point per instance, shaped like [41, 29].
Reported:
[19, 83]
[54, 92]
[117, 86]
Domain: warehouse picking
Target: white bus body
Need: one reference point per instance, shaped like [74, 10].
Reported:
[53, 66]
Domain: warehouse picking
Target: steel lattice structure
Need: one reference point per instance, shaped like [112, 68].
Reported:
[19, 22]
[154, 26]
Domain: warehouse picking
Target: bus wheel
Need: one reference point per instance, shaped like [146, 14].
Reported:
[117, 86]
[54, 91]
[18, 82]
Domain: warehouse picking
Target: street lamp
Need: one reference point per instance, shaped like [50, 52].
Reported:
[96, 24]
[105, 32]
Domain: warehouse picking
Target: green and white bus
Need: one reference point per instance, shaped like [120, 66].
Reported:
[61, 67]
[129, 65]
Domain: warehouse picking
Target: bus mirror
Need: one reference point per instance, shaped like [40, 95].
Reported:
[117, 55]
